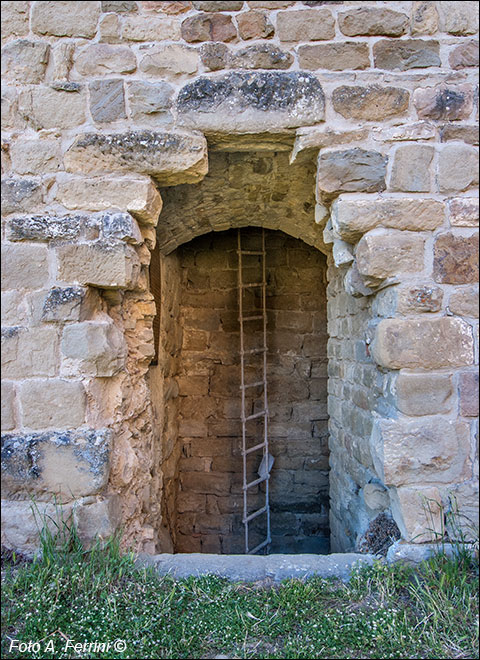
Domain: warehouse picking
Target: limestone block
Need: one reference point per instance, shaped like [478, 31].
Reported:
[424, 394]
[463, 212]
[36, 156]
[411, 168]
[261, 56]
[15, 19]
[251, 101]
[316, 137]
[465, 509]
[406, 54]
[418, 513]
[21, 195]
[73, 303]
[137, 196]
[464, 302]
[149, 99]
[334, 56]
[107, 100]
[457, 168]
[8, 406]
[423, 343]
[376, 497]
[424, 18]
[14, 308]
[95, 348]
[168, 6]
[218, 5]
[373, 21]
[171, 158]
[64, 19]
[407, 452]
[372, 103]
[342, 253]
[121, 227]
[62, 60]
[354, 283]
[353, 170]
[419, 298]
[170, 61]
[24, 266]
[139, 28]
[25, 61]
[97, 521]
[459, 133]
[45, 227]
[120, 7]
[104, 266]
[468, 393]
[455, 259]
[52, 403]
[385, 253]
[254, 25]
[124, 462]
[68, 464]
[61, 105]
[208, 27]
[10, 116]
[464, 55]
[29, 353]
[458, 17]
[420, 130]
[351, 218]
[307, 25]
[447, 102]
[110, 28]
[105, 59]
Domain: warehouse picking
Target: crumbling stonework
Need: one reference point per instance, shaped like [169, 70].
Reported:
[352, 126]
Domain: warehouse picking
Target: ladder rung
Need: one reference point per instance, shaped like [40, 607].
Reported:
[260, 546]
[255, 415]
[255, 482]
[255, 514]
[255, 448]
[251, 318]
[253, 351]
[255, 252]
[257, 384]
[252, 285]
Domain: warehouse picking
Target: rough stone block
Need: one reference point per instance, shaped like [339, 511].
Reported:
[10, 117]
[62, 60]
[373, 21]
[208, 27]
[44, 227]
[25, 61]
[353, 170]
[351, 218]
[29, 353]
[63, 19]
[61, 105]
[170, 60]
[466, 522]
[460, 133]
[261, 56]
[449, 103]
[15, 17]
[121, 227]
[24, 266]
[376, 497]
[107, 100]
[139, 28]
[468, 394]
[418, 299]
[95, 348]
[218, 5]
[383, 253]
[171, 158]
[457, 168]
[104, 266]
[306, 25]
[455, 259]
[148, 99]
[36, 156]
[463, 212]
[465, 302]
[97, 521]
[418, 513]
[406, 54]
[251, 101]
[465, 55]
[458, 17]
[423, 343]
[73, 303]
[335, 56]
[105, 59]
[424, 18]
[372, 103]
[52, 403]
[21, 195]
[424, 394]
[124, 6]
[137, 196]
[69, 464]
[8, 417]
[254, 25]
[411, 168]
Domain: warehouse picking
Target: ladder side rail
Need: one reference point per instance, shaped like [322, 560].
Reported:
[265, 398]
[242, 381]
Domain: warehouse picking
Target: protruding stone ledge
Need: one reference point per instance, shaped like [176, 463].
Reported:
[244, 102]
[170, 158]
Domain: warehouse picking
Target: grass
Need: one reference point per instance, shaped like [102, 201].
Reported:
[386, 611]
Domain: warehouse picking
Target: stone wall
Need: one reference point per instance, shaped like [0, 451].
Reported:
[103, 103]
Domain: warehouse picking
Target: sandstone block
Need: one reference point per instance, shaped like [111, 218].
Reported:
[418, 513]
[8, 406]
[29, 353]
[254, 25]
[372, 103]
[61, 105]
[24, 266]
[110, 29]
[351, 218]
[424, 394]
[468, 394]
[107, 100]
[64, 19]
[383, 253]
[36, 156]
[421, 130]
[15, 19]
[208, 27]
[170, 158]
[458, 17]
[10, 116]
[148, 99]
[62, 60]
[261, 56]
[104, 266]
[273, 4]
[215, 56]
[423, 343]
[121, 227]
[251, 101]
[424, 18]
[465, 55]
[463, 212]
[137, 196]
[169, 61]
[97, 521]
[139, 28]
[211, 483]
[376, 497]
[419, 299]
[464, 302]
[306, 25]
[52, 403]
[373, 21]
[441, 102]
[465, 497]
[353, 170]
[25, 61]
[105, 59]
[14, 310]
[407, 452]
[218, 5]
[96, 348]
[45, 227]
[411, 168]
[457, 168]
[406, 54]
[459, 133]
[20, 195]
[124, 6]
[168, 7]
[335, 57]
[455, 259]
[73, 303]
